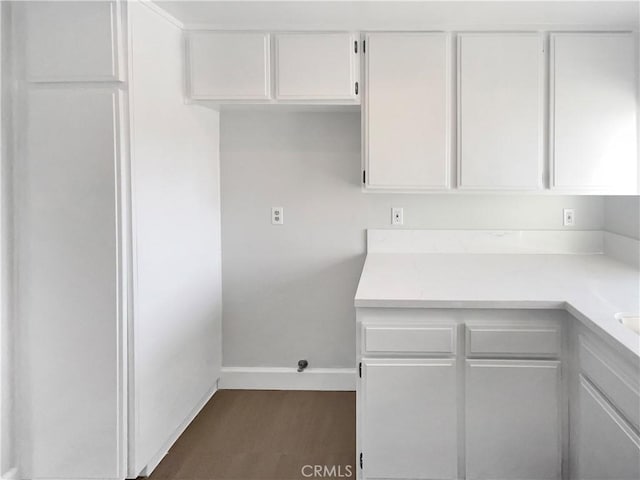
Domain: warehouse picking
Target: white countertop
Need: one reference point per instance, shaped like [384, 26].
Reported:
[593, 288]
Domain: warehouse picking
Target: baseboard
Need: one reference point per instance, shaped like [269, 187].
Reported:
[278, 378]
[155, 461]
[620, 247]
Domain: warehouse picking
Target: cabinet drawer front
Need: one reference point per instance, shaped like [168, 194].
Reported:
[605, 375]
[410, 339]
[539, 341]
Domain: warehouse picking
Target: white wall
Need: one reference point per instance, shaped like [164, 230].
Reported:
[622, 215]
[288, 290]
[176, 205]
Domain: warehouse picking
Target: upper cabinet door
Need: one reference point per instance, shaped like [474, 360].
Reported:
[317, 66]
[407, 111]
[229, 66]
[72, 41]
[593, 112]
[500, 111]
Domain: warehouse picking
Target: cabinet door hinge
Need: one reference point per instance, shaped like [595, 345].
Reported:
[355, 46]
[364, 176]
[360, 460]
[356, 88]
[360, 369]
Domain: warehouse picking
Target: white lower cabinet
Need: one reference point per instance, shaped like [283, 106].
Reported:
[409, 419]
[493, 395]
[512, 419]
[607, 447]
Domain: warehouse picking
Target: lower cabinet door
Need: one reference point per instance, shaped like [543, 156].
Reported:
[608, 449]
[512, 420]
[409, 419]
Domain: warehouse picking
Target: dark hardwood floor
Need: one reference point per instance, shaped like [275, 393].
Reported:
[249, 434]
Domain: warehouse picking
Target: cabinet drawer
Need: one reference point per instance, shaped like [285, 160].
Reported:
[440, 339]
[513, 340]
[605, 374]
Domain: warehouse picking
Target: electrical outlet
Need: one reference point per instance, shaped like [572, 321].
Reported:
[277, 216]
[396, 216]
[568, 217]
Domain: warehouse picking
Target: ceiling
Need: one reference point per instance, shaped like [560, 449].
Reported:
[402, 15]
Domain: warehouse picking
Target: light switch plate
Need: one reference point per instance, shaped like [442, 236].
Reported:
[277, 216]
[397, 217]
[568, 217]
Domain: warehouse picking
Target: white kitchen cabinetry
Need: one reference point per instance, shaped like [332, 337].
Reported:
[406, 117]
[513, 419]
[410, 418]
[608, 448]
[605, 427]
[429, 408]
[593, 94]
[317, 66]
[500, 110]
[70, 398]
[420, 339]
[70, 394]
[500, 340]
[72, 41]
[101, 393]
[229, 66]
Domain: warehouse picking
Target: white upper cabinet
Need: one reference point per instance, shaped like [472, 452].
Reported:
[500, 116]
[407, 111]
[317, 66]
[229, 66]
[593, 112]
[72, 41]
